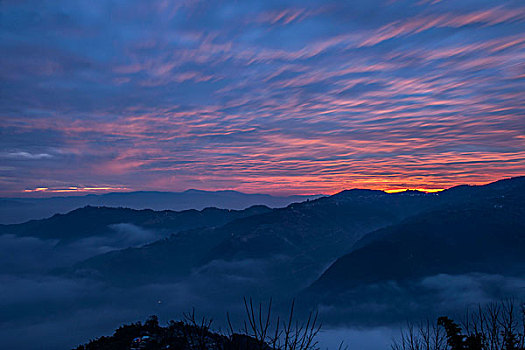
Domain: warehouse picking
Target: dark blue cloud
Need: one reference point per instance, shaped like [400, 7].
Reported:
[260, 95]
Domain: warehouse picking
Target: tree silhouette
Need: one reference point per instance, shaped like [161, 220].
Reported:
[495, 326]
[458, 341]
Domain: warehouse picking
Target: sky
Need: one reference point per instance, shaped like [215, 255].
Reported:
[280, 97]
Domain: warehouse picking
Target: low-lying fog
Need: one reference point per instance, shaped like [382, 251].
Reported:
[40, 309]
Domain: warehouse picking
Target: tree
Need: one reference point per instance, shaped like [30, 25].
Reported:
[494, 326]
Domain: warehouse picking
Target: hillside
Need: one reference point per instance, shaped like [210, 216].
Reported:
[485, 235]
[97, 221]
[305, 236]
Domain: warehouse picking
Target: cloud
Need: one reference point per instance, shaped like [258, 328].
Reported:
[129, 235]
[394, 302]
[274, 97]
[69, 311]
[46, 304]
[456, 291]
[25, 155]
[24, 254]
[30, 255]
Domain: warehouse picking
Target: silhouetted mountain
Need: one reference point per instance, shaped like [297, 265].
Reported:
[478, 230]
[306, 236]
[376, 257]
[18, 210]
[98, 221]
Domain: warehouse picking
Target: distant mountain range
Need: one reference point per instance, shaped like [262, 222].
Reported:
[328, 250]
[18, 210]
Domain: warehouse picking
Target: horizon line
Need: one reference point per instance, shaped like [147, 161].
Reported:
[77, 191]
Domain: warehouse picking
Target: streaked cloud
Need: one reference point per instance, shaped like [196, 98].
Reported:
[24, 155]
[277, 97]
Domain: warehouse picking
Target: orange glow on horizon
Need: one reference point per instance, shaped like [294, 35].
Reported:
[427, 190]
[72, 189]
[38, 189]
[280, 186]
[75, 189]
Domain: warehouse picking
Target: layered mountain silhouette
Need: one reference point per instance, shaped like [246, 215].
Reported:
[329, 245]
[476, 233]
[97, 221]
[18, 210]
[481, 237]
[305, 236]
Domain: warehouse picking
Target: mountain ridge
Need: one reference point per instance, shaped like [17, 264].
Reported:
[96, 220]
[482, 236]
[19, 210]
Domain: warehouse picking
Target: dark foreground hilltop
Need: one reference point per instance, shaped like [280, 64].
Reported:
[261, 331]
[175, 335]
